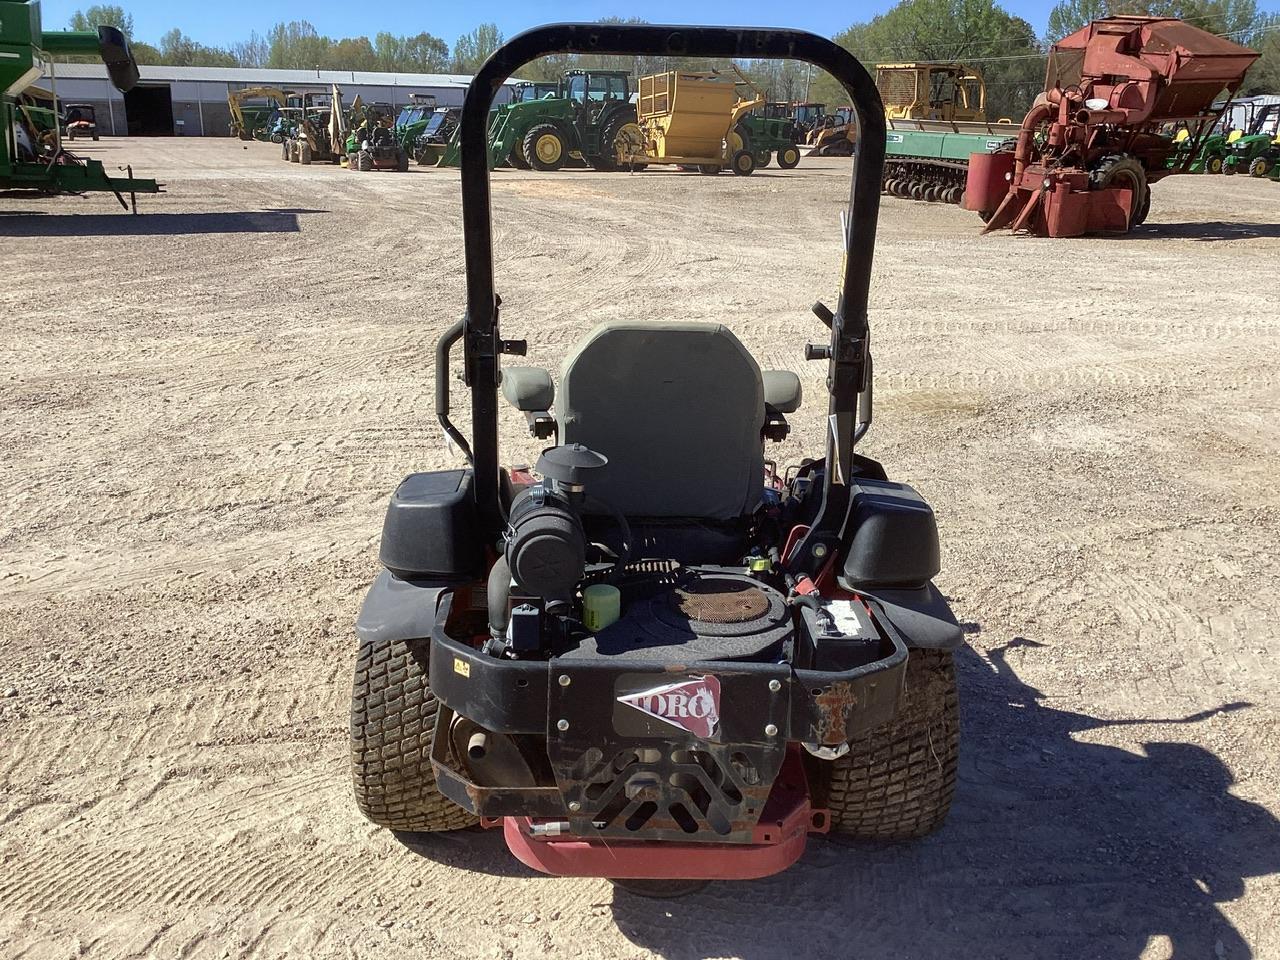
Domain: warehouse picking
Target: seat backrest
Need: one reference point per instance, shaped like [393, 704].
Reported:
[677, 408]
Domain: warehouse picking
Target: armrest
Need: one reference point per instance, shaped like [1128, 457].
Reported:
[781, 390]
[528, 389]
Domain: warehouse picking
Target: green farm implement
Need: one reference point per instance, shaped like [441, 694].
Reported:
[32, 156]
[932, 164]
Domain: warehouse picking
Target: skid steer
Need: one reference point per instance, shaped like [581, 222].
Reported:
[656, 658]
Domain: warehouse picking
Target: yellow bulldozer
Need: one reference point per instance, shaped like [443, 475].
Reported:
[917, 96]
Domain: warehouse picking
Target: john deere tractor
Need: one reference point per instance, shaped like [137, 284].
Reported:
[32, 157]
[764, 133]
[1255, 150]
[582, 120]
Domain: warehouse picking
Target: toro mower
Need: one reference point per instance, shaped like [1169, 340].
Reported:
[81, 121]
[657, 658]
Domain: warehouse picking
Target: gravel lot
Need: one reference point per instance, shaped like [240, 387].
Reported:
[205, 409]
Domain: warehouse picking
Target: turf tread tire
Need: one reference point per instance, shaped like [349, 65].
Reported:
[393, 721]
[896, 782]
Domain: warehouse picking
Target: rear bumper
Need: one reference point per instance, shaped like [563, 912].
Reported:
[619, 774]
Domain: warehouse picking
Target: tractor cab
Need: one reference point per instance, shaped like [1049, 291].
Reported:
[591, 91]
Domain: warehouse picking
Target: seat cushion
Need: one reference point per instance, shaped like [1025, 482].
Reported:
[677, 408]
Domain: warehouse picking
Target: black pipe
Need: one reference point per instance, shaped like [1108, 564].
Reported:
[443, 346]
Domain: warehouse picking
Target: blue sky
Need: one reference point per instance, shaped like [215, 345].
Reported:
[230, 20]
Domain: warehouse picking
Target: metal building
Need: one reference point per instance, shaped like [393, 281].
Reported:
[192, 101]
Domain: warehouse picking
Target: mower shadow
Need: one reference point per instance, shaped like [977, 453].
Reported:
[1210, 232]
[1055, 848]
[475, 849]
[122, 224]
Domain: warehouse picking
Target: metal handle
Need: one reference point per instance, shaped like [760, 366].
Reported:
[443, 346]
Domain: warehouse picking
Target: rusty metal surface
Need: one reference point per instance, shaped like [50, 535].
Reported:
[720, 601]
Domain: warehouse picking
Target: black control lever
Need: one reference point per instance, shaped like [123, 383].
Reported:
[817, 351]
[823, 313]
[515, 348]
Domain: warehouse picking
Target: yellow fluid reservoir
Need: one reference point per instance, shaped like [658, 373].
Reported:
[601, 606]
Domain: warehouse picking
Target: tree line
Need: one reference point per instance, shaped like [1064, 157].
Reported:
[980, 33]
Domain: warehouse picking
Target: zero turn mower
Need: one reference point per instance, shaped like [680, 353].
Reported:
[658, 659]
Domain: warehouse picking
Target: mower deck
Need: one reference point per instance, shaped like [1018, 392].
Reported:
[778, 841]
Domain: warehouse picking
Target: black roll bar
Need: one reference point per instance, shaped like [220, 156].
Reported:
[847, 355]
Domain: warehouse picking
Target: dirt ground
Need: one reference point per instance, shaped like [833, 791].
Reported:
[206, 407]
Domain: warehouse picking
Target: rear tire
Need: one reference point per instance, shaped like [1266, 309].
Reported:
[402, 161]
[896, 782]
[304, 153]
[1118, 169]
[393, 722]
[1259, 167]
[364, 161]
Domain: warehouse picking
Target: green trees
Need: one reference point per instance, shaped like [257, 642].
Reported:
[102, 14]
[473, 49]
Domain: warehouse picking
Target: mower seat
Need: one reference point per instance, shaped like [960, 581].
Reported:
[677, 408]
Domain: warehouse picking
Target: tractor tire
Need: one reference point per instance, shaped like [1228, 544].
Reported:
[304, 153]
[1144, 208]
[393, 723]
[95, 138]
[284, 150]
[739, 139]
[608, 159]
[743, 163]
[1213, 165]
[763, 158]
[1117, 169]
[788, 156]
[402, 160]
[364, 161]
[1258, 168]
[896, 782]
[544, 147]
[517, 158]
[709, 169]
[277, 138]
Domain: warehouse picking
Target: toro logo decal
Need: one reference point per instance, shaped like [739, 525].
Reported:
[692, 705]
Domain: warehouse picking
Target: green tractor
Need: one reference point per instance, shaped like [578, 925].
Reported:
[766, 132]
[581, 120]
[1255, 150]
[1210, 158]
[32, 157]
